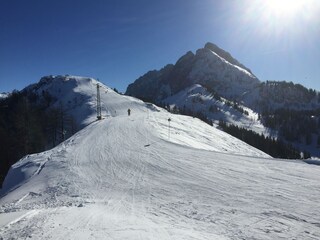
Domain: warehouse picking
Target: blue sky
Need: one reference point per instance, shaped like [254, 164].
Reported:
[118, 41]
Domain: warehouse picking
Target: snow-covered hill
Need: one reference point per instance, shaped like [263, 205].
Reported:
[197, 99]
[137, 177]
[76, 95]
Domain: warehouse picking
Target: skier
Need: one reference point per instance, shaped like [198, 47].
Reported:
[129, 111]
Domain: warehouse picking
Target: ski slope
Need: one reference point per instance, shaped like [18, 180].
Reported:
[197, 99]
[131, 177]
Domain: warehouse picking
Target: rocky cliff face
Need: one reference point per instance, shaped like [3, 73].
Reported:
[150, 86]
[209, 66]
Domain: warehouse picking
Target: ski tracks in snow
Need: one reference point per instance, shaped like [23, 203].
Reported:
[116, 176]
[117, 179]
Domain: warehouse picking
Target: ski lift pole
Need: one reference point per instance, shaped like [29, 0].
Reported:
[98, 103]
[169, 120]
[64, 132]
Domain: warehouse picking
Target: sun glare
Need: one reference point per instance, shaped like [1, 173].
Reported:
[284, 8]
[283, 20]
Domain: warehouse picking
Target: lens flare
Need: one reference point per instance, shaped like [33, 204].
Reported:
[284, 8]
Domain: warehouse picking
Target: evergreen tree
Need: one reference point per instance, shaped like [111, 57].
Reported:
[28, 126]
[271, 146]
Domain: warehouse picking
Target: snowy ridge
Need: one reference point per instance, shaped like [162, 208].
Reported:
[76, 95]
[232, 65]
[229, 80]
[133, 177]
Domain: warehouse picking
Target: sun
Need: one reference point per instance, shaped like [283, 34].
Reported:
[283, 20]
[284, 8]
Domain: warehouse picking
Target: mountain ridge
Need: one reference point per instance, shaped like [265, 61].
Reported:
[226, 55]
[200, 67]
[223, 77]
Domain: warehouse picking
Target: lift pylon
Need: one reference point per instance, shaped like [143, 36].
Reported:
[98, 103]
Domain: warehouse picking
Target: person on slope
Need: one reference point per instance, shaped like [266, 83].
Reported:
[129, 111]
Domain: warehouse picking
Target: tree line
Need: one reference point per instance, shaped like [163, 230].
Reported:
[274, 147]
[302, 126]
[29, 124]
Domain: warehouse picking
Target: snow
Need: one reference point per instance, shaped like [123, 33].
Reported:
[125, 177]
[76, 95]
[230, 64]
[3, 95]
[193, 133]
[190, 96]
[229, 80]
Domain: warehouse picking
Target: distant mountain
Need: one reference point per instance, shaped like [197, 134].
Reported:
[272, 95]
[221, 74]
[214, 86]
[207, 67]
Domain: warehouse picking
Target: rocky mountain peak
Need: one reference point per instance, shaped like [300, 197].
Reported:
[189, 56]
[210, 66]
[224, 54]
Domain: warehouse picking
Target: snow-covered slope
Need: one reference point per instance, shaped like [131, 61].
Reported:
[196, 99]
[76, 95]
[4, 95]
[133, 177]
